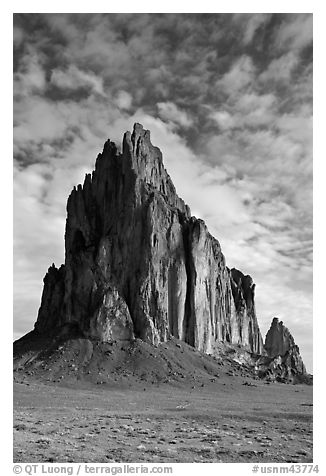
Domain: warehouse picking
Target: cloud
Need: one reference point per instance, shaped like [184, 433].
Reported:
[224, 120]
[298, 127]
[251, 23]
[168, 111]
[251, 110]
[74, 79]
[38, 241]
[31, 76]
[239, 76]
[18, 36]
[280, 69]
[30, 128]
[295, 33]
[123, 100]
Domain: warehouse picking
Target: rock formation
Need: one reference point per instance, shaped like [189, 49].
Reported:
[243, 292]
[278, 339]
[282, 361]
[137, 264]
[280, 346]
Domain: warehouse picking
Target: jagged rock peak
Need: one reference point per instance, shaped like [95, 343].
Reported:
[278, 339]
[139, 165]
[245, 285]
[138, 265]
[281, 347]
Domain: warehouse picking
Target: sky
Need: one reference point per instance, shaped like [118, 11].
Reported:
[227, 98]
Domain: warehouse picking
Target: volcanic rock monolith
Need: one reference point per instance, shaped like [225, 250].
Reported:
[137, 264]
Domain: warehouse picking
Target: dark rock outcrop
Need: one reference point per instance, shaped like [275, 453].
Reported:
[245, 320]
[279, 340]
[283, 361]
[137, 264]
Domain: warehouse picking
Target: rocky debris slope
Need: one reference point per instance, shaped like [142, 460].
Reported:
[137, 264]
[283, 361]
[78, 361]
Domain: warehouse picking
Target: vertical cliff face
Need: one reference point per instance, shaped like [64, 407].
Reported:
[137, 263]
[209, 296]
[245, 324]
[50, 313]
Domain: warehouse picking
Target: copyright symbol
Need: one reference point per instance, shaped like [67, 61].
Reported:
[17, 469]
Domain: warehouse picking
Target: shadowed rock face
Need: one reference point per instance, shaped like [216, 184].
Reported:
[284, 354]
[278, 339]
[138, 265]
[245, 321]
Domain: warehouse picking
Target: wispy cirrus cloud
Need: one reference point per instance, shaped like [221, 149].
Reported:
[250, 23]
[239, 77]
[295, 33]
[247, 110]
[30, 78]
[73, 79]
[280, 69]
[171, 112]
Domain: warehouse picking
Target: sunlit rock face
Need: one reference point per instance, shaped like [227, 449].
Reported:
[137, 264]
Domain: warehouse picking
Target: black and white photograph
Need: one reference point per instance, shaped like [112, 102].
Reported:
[162, 233]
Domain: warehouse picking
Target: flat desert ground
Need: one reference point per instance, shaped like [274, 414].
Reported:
[231, 420]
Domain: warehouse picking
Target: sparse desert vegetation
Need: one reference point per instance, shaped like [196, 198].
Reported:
[218, 413]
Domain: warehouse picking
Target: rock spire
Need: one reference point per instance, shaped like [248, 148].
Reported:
[280, 346]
